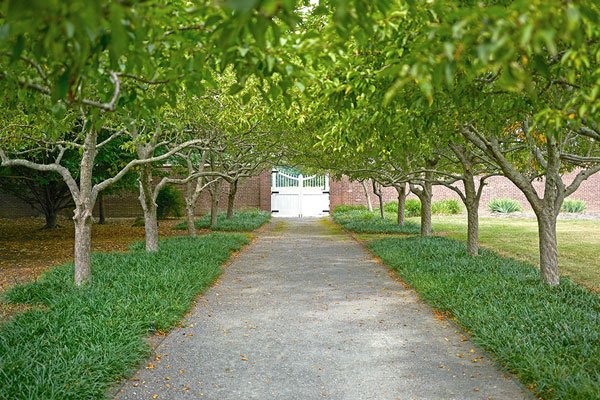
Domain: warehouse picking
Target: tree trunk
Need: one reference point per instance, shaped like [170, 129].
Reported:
[149, 206]
[369, 203]
[401, 203]
[101, 219]
[214, 202]
[426, 213]
[51, 216]
[472, 227]
[84, 206]
[190, 217]
[379, 194]
[83, 243]
[231, 199]
[548, 250]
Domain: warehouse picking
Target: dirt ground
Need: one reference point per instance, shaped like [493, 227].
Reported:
[26, 250]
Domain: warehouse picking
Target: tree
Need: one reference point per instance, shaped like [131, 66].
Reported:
[43, 191]
[94, 59]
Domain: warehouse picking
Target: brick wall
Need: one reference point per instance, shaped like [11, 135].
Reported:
[250, 194]
[352, 193]
[255, 192]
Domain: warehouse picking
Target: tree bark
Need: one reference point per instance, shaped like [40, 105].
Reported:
[401, 189]
[215, 193]
[51, 216]
[102, 218]
[378, 192]
[231, 198]
[83, 243]
[548, 247]
[149, 206]
[84, 206]
[368, 196]
[426, 213]
[472, 227]
[425, 194]
[190, 207]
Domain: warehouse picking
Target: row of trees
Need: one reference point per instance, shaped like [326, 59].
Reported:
[452, 93]
[409, 93]
[147, 83]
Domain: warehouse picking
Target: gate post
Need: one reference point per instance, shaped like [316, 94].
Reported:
[300, 187]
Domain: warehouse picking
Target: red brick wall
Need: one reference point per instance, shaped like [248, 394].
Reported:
[249, 195]
[352, 193]
[256, 192]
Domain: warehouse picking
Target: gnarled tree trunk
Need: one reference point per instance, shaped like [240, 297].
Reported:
[190, 206]
[548, 247]
[425, 194]
[84, 206]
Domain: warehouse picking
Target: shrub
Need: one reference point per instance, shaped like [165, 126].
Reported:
[412, 208]
[344, 208]
[446, 207]
[504, 206]
[391, 207]
[170, 202]
[573, 206]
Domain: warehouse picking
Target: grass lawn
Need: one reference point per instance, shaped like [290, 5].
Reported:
[76, 342]
[578, 242]
[242, 221]
[363, 221]
[548, 336]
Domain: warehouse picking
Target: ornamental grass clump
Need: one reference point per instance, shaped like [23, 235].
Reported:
[573, 206]
[504, 206]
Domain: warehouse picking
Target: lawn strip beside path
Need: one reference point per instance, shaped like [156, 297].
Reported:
[306, 313]
[547, 335]
[80, 340]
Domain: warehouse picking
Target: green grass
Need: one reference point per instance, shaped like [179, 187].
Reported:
[578, 242]
[412, 207]
[82, 339]
[548, 336]
[242, 221]
[363, 221]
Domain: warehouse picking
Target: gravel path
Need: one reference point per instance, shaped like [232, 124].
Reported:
[305, 313]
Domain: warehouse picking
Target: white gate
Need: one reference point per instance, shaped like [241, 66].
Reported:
[294, 195]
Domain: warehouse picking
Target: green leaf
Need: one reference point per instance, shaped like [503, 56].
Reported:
[61, 86]
[300, 86]
[18, 48]
[235, 88]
